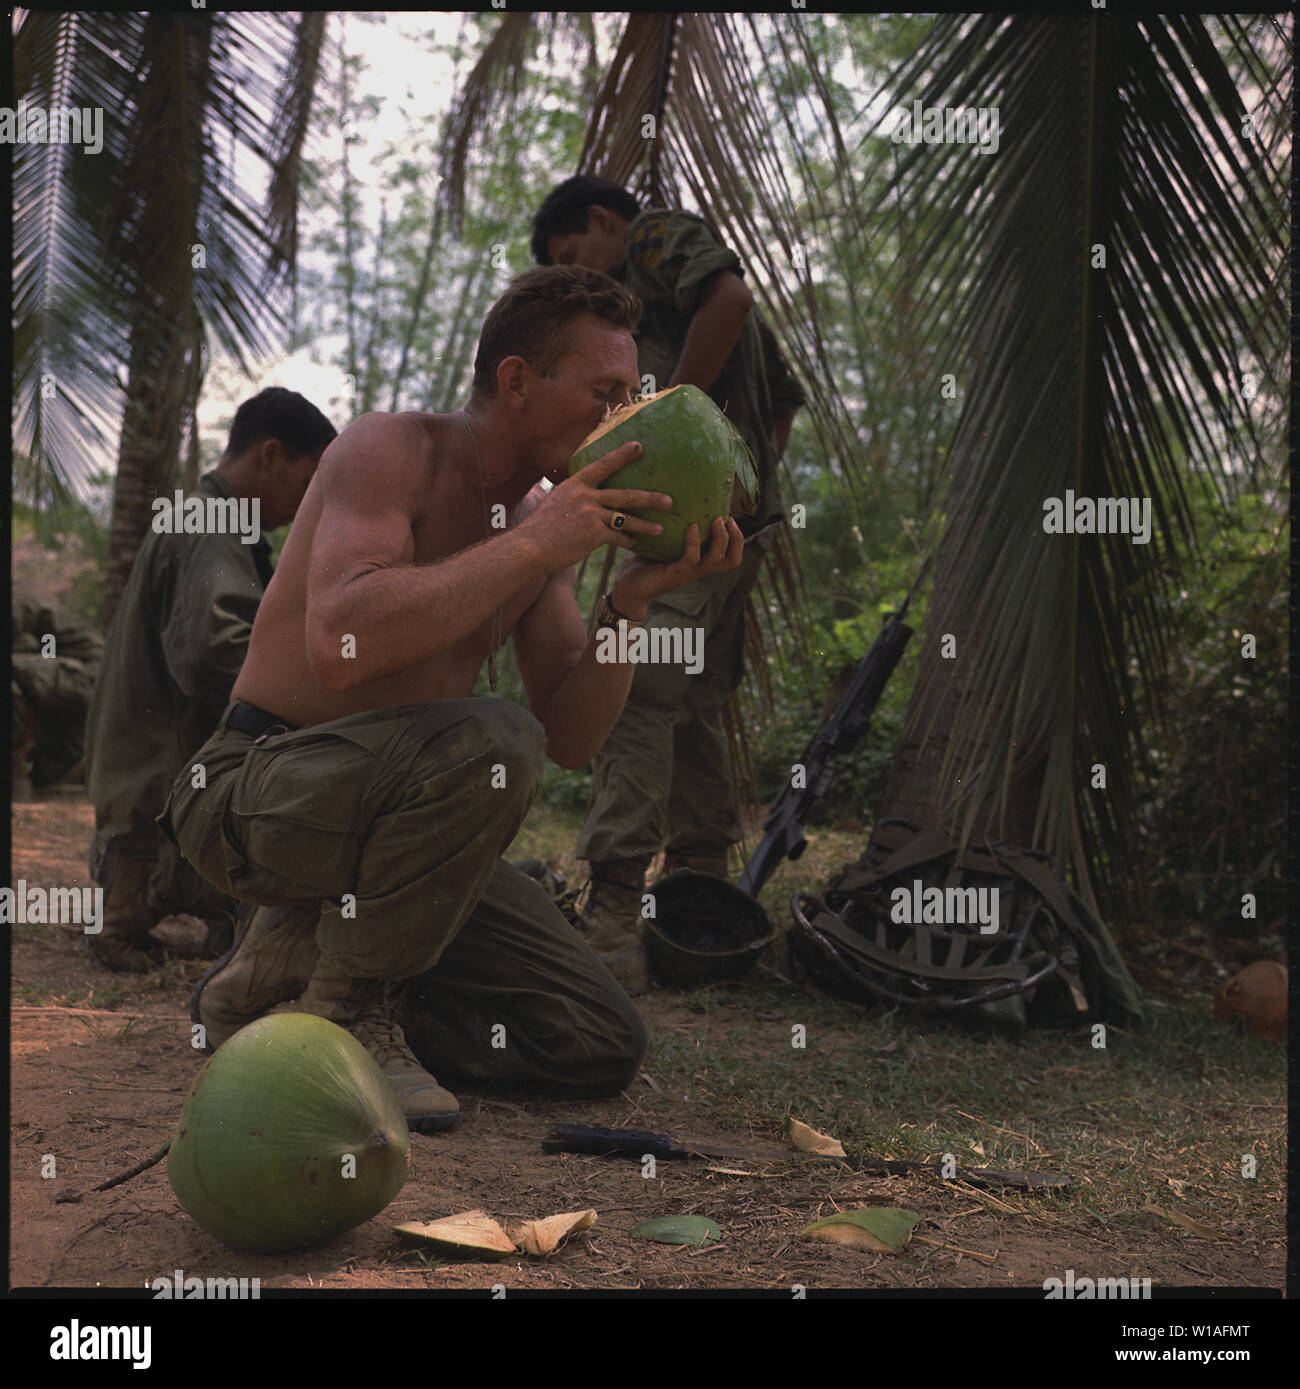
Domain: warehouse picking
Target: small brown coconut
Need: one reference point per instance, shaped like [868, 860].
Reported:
[1258, 993]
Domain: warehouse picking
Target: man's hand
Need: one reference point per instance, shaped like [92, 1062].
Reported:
[574, 518]
[640, 581]
[575, 695]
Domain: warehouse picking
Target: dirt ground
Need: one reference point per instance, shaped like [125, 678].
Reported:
[100, 1064]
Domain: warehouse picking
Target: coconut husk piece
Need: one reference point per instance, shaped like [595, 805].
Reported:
[470, 1233]
[543, 1237]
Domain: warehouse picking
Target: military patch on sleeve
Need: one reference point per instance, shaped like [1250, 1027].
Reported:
[646, 245]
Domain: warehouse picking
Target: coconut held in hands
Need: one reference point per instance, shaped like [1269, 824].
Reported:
[690, 450]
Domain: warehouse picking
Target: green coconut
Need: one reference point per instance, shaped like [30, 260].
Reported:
[288, 1136]
[690, 450]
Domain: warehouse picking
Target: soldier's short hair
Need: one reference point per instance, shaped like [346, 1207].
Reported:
[565, 209]
[283, 415]
[532, 318]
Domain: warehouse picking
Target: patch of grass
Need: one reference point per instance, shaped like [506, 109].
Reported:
[37, 991]
[31, 931]
[175, 973]
[110, 995]
[1163, 1117]
[1182, 1103]
[549, 835]
[40, 991]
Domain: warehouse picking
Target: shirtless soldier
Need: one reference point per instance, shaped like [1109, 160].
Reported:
[357, 793]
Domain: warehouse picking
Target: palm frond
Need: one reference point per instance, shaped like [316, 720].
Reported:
[290, 124]
[1122, 381]
[107, 246]
[66, 336]
[616, 146]
[706, 80]
[494, 79]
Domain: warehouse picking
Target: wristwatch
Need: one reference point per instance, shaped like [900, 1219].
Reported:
[607, 615]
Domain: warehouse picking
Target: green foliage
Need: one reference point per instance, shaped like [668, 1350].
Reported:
[856, 573]
[1212, 807]
[75, 529]
[408, 295]
[564, 790]
[395, 297]
[1062, 629]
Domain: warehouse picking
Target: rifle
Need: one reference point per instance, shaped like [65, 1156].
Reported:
[783, 835]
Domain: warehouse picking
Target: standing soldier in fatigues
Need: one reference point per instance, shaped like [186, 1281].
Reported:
[175, 645]
[662, 780]
[358, 792]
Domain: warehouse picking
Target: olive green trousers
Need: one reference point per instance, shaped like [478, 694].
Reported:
[174, 886]
[394, 823]
[662, 779]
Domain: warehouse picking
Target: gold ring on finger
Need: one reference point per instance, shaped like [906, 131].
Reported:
[617, 521]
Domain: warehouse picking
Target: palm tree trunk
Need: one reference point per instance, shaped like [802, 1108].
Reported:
[920, 788]
[151, 435]
[165, 333]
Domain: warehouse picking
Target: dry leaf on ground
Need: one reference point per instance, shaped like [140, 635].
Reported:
[882, 1229]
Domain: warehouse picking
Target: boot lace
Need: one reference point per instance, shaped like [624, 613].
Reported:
[375, 1027]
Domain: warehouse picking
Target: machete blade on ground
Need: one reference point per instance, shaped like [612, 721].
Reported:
[635, 1143]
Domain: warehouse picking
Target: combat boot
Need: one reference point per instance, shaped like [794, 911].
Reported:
[222, 929]
[712, 861]
[123, 943]
[270, 962]
[366, 1009]
[610, 916]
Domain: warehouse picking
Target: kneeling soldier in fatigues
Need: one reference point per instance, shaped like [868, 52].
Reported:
[359, 794]
[51, 681]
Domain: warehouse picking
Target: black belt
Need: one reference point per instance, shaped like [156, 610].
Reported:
[248, 718]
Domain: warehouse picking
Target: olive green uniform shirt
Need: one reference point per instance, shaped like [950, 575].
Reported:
[662, 778]
[175, 646]
[668, 257]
